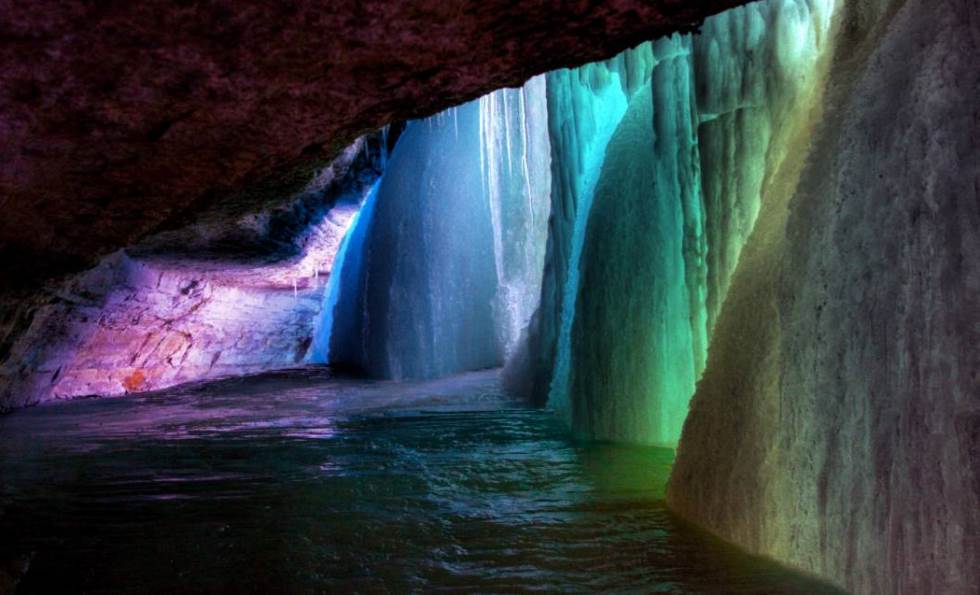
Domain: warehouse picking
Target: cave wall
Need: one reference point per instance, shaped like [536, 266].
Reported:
[132, 326]
[837, 424]
[219, 298]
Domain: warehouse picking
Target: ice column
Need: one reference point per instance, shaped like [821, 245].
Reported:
[638, 339]
[584, 107]
[450, 269]
[516, 158]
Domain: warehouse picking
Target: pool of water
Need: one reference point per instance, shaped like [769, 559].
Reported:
[299, 482]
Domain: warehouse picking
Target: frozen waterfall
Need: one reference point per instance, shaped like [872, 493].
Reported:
[582, 229]
[651, 215]
[450, 267]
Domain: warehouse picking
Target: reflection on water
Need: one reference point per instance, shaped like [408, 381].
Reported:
[293, 482]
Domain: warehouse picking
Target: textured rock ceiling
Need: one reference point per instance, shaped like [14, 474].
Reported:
[120, 119]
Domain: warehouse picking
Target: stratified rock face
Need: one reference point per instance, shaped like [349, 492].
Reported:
[837, 425]
[122, 119]
[153, 317]
[139, 326]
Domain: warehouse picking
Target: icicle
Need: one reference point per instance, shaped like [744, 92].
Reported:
[506, 118]
[493, 196]
[525, 146]
[384, 146]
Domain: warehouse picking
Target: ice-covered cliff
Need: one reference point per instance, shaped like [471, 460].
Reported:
[837, 425]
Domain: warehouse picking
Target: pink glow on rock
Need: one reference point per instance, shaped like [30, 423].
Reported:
[134, 325]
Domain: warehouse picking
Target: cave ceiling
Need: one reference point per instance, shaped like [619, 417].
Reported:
[122, 119]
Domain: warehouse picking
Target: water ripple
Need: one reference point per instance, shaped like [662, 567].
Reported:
[299, 483]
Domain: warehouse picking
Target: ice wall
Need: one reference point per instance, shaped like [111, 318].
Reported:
[584, 107]
[638, 337]
[837, 425]
[516, 160]
[448, 268]
[755, 69]
[352, 245]
[634, 281]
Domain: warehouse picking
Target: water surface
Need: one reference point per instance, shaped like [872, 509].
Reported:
[296, 482]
